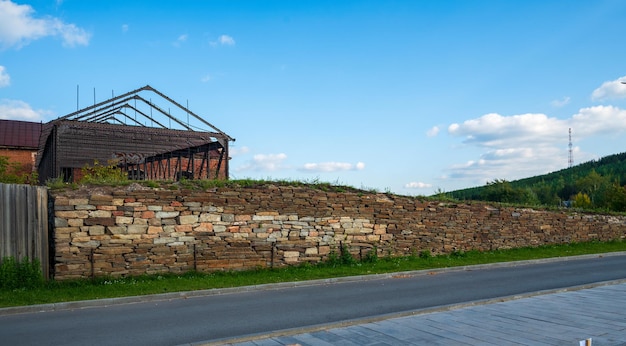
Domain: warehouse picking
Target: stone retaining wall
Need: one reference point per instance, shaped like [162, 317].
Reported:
[133, 231]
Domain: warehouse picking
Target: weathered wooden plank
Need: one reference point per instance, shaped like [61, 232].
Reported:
[24, 223]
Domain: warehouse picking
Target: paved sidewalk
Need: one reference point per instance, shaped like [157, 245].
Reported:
[563, 318]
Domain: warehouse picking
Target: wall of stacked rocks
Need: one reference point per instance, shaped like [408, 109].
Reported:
[137, 230]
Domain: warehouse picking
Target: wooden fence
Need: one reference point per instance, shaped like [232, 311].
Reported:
[24, 223]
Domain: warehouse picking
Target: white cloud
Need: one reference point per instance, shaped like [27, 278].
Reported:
[610, 90]
[497, 131]
[332, 167]
[417, 185]
[5, 79]
[560, 103]
[19, 110]
[262, 162]
[235, 151]
[180, 40]
[207, 77]
[433, 131]
[599, 120]
[125, 27]
[226, 40]
[72, 35]
[519, 146]
[18, 27]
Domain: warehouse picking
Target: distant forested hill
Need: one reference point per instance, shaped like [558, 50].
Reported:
[598, 184]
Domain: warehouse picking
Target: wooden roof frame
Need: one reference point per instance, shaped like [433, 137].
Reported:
[110, 115]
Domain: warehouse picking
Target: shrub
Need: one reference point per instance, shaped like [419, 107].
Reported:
[103, 174]
[371, 256]
[24, 274]
[346, 257]
[425, 254]
[14, 173]
[343, 258]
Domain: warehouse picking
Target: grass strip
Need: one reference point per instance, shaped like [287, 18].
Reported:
[107, 287]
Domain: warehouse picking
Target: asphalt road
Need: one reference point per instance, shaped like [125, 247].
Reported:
[215, 317]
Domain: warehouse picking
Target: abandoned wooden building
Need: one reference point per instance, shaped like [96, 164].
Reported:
[138, 133]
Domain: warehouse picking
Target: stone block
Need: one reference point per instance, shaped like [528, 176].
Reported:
[148, 214]
[167, 214]
[100, 214]
[72, 214]
[210, 217]
[164, 240]
[243, 218]
[311, 251]
[100, 198]
[188, 219]
[96, 230]
[183, 229]
[120, 241]
[137, 229]
[102, 221]
[204, 227]
[123, 220]
[263, 217]
[85, 207]
[117, 229]
[60, 222]
[86, 244]
[66, 230]
[154, 229]
[78, 201]
[106, 207]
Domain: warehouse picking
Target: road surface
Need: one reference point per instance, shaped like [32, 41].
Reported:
[215, 317]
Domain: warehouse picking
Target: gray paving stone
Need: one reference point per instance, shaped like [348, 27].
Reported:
[562, 318]
[264, 342]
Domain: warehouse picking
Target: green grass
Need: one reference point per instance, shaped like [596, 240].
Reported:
[53, 292]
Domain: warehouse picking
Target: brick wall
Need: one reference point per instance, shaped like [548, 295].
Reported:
[24, 157]
[135, 230]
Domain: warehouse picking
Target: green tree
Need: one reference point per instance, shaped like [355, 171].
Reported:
[582, 200]
[501, 190]
[592, 184]
[616, 198]
[546, 193]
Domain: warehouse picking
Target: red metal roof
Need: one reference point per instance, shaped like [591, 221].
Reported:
[20, 134]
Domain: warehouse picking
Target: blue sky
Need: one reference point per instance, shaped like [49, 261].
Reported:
[410, 97]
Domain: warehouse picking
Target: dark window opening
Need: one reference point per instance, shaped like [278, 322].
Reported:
[67, 174]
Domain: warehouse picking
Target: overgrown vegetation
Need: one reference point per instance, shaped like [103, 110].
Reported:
[596, 185]
[255, 183]
[111, 175]
[99, 174]
[15, 173]
[338, 265]
[25, 274]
